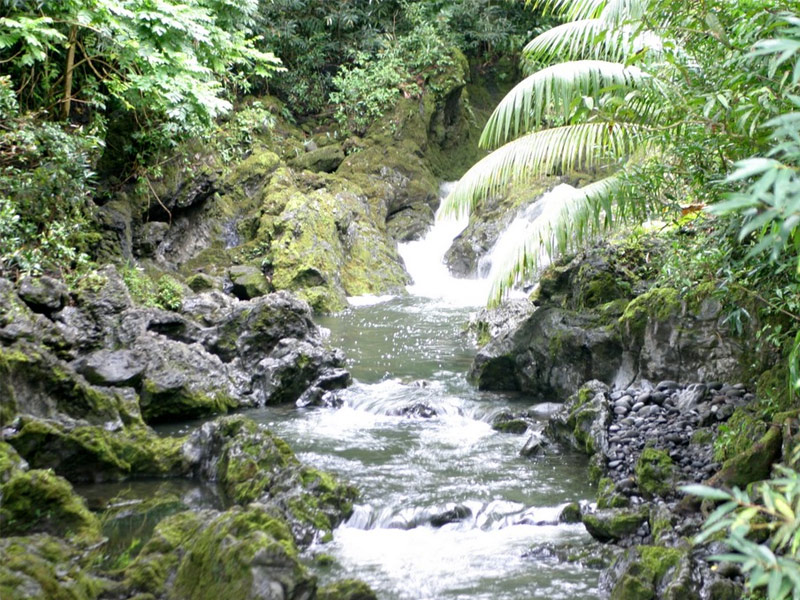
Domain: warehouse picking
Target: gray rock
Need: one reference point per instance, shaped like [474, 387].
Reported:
[111, 367]
[248, 282]
[43, 294]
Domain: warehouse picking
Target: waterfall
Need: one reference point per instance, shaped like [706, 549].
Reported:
[424, 258]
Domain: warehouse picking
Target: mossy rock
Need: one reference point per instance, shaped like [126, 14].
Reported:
[348, 589]
[658, 303]
[161, 400]
[41, 385]
[754, 464]
[612, 525]
[571, 513]
[243, 553]
[608, 496]
[43, 567]
[646, 570]
[91, 453]
[248, 282]
[39, 501]
[200, 282]
[326, 159]
[655, 472]
[10, 462]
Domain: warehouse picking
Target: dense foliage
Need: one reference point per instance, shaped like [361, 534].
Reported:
[314, 38]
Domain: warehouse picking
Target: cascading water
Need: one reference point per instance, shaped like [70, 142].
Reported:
[531, 223]
[448, 507]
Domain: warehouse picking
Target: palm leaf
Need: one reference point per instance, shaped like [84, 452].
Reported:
[549, 96]
[585, 146]
[570, 9]
[584, 38]
[558, 229]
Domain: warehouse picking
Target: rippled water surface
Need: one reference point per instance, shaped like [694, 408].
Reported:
[409, 352]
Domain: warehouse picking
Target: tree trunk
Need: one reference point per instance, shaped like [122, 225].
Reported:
[73, 42]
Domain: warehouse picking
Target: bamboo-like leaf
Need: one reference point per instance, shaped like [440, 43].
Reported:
[584, 146]
[549, 96]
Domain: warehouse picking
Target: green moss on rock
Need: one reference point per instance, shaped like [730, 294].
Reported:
[39, 501]
[348, 589]
[654, 472]
[43, 567]
[611, 525]
[659, 303]
[608, 496]
[645, 572]
[91, 453]
[754, 464]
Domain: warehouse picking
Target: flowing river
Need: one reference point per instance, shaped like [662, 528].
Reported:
[448, 507]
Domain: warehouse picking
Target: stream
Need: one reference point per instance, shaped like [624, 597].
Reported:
[415, 438]
[448, 508]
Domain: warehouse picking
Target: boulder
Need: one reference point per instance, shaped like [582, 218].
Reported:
[39, 501]
[43, 294]
[326, 159]
[44, 567]
[614, 524]
[248, 282]
[245, 553]
[252, 465]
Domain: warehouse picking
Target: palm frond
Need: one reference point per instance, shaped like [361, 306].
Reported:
[564, 224]
[570, 9]
[549, 96]
[617, 12]
[584, 38]
[584, 146]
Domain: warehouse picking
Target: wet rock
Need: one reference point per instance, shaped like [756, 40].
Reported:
[571, 513]
[349, 589]
[410, 223]
[614, 524]
[535, 444]
[111, 367]
[39, 501]
[252, 465]
[248, 282]
[550, 355]
[422, 410]
[453, 515]
[508, 422]
[43, 294]
[489, 323]
[244, 553]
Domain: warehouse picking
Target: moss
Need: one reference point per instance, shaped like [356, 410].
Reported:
[24, 367]
[200, 282]
[614, 524]
[754, 464]
[773, 390]
[608, 497]
[645, 572]
[226, 557]
[91, 453]
[571, 513]
[42, 567]
[659, 303]
[163, 552]
[702, 436]
[738, 434]
[159, 404]
[348, 589]
[39, 501]
[10, 462]
[654, 472]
